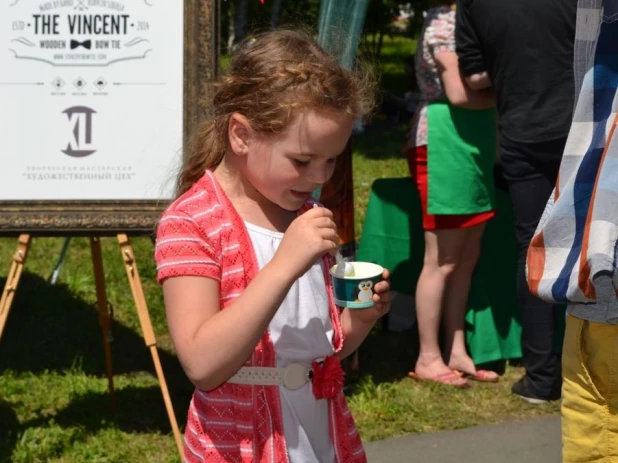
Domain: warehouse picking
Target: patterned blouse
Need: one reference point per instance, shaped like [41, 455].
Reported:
[437, 35]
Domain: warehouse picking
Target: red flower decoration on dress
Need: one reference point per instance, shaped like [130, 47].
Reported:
[327, 378]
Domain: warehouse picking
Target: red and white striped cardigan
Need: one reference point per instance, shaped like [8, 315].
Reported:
[201, 234]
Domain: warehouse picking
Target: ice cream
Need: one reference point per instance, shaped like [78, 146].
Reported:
[349, 270]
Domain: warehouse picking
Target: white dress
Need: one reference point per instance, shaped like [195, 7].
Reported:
[301, 331]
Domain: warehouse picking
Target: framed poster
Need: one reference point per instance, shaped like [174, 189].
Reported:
[93, 120]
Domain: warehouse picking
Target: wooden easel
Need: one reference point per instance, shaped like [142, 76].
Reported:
[12, 281]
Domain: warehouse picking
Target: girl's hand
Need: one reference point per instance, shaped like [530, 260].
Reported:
[308, 237]
[382, 297]
[357, 323]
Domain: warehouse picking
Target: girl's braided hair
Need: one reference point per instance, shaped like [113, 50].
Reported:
[271, 77]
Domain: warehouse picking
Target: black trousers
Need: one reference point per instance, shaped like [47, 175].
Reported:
[531, 170]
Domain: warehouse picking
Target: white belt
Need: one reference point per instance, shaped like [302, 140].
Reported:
[294, 376]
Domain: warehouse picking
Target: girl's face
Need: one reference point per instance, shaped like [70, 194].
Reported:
[286, 168]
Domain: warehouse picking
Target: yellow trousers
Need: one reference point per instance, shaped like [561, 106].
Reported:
[590, 392]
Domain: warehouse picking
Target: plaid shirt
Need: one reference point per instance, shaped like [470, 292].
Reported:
[573, 256]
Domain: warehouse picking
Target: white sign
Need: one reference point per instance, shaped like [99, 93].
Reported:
[90, 99]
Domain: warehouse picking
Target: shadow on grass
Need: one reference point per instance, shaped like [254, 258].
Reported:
[136, 413]
[89, 414]
[381, 140]
[9, 430]
[48, 328]
[388, 356]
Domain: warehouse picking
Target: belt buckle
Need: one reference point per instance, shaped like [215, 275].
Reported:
[296, 375]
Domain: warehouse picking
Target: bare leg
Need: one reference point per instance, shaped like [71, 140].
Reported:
[455, 303]
[443, 249]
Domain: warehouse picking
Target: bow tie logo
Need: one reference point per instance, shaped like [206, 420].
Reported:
[86, 44]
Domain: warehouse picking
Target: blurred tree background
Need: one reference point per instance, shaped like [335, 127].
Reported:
[388, 39]
[385, 18]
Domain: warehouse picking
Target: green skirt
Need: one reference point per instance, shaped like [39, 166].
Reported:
[461, 151]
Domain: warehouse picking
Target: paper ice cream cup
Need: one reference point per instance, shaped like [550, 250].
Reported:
[356, 291]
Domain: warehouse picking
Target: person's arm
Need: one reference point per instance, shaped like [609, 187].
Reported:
[468, 48]
[441, 41]
[212, 344]
[478, 81]
[457, 92]
[356, 324]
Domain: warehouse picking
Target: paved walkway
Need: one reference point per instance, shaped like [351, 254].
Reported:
[531, 441]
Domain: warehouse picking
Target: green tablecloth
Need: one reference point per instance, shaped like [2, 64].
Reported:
[393, 237]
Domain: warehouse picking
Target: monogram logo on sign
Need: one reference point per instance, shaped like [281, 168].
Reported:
[79, 131]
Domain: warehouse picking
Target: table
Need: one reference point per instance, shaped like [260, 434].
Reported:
[392, 236]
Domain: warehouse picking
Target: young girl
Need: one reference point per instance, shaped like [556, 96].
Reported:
[243, 255]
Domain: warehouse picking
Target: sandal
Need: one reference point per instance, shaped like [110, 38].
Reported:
[450, 378]
[483, 376]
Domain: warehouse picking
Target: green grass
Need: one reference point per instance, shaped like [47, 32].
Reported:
[54, 404]
[390, 63]
[386, 403]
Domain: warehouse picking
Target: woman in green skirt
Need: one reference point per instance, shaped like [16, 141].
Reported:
[451, 151]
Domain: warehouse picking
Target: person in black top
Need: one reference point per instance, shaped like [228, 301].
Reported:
[525, 50]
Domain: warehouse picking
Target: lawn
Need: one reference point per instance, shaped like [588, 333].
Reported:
[54, 405]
